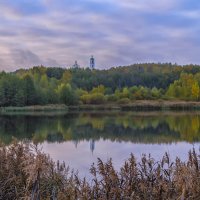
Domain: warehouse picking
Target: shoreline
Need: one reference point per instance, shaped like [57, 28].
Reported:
[139, 105]
[35, 108]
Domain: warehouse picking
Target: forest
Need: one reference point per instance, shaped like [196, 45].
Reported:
[118, 85]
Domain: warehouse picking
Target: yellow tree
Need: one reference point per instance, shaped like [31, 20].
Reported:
[66, 77]
[98, 89]
[195, 90]
[44, 81]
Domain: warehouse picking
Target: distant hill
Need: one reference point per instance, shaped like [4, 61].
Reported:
[50, 85]
[146, 74]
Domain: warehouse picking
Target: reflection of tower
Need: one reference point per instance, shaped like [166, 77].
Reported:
[76, 143]
[92, 145]
[92, 62]
[76, 65]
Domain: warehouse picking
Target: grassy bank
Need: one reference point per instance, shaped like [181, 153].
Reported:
[27, 173]
[36, 108]
[162, 105]
[141, 105]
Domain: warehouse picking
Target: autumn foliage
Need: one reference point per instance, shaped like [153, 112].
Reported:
[149, 81]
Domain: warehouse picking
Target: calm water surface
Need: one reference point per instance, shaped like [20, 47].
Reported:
[80, 138]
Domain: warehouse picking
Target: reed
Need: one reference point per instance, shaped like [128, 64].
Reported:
[39, 108]
[28, 173]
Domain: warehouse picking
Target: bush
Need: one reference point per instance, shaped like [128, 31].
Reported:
[85, 98]
[94, 98]
[111, 98]
[124, 101]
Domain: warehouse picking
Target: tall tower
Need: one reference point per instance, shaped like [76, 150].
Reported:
[92, 62]
[76, 65]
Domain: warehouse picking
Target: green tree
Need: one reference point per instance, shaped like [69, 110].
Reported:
[155, 93]
[19, 97]
[125, 93]
[29, 91]
[67, 94]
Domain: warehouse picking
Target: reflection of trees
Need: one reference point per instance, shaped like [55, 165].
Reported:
[187, 126]
[116, 127]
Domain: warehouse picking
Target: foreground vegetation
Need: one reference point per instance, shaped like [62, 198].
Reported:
[27, 173]
[118, 86]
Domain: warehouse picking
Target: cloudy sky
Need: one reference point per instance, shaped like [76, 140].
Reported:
[116, 32]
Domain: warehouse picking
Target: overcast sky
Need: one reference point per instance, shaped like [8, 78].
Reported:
[116, 32]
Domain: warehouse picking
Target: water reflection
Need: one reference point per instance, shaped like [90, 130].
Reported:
[147, 128]
[80, 138]
[80, 158]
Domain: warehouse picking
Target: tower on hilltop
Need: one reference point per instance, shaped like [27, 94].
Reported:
[92, 62]
[76, 65]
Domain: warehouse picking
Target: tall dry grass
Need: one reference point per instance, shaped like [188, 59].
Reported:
[27, 173]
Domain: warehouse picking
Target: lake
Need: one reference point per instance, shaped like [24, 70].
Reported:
[80, 138]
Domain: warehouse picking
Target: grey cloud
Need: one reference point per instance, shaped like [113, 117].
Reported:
[134, 31]
[52, 63]
[7, 33]
[27, 58]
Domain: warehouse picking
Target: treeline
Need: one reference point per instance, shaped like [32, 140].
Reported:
[40, 85]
